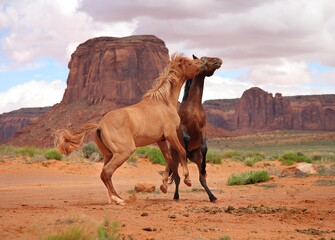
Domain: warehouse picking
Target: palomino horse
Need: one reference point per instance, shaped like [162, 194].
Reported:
[153, 120]
[192, 130]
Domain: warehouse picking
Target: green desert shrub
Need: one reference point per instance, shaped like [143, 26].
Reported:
[231, 154]
[156, 156]
[27, 151]
[213, 157]
[53, 154]
[90, 148]
[250, 177]
[7, 150]
[327, 158]
[249, 162]
[273, 157]
[142, 151]
[256, 156]
[326, 171]
[287, 162]
[296, 157]
[242, 156]
[132, 158]
[76, 232]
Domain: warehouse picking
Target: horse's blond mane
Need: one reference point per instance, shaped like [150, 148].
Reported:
[162, 88]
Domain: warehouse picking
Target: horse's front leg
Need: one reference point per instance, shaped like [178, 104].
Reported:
[166, 153]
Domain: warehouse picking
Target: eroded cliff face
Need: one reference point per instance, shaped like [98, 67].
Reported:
[13, 121]
[221, 113]
[258, 109]
[313, 112]
[119, 70]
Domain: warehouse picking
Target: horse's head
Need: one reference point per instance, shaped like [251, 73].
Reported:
[192, 68]
[211, 65]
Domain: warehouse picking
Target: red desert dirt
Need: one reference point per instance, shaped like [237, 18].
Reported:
[40, 199]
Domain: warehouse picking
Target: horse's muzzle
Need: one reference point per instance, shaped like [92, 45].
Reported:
[217, 63]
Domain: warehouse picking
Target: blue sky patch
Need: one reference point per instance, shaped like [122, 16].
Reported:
[50, 70]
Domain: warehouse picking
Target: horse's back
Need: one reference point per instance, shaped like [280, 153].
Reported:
[144, 123]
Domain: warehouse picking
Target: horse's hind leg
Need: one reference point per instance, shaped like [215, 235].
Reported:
[111, 163]
[186, 139]
[108, 170]
[174, 168]
[198, 158]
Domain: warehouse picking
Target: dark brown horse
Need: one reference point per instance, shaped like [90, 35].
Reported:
[192, 130]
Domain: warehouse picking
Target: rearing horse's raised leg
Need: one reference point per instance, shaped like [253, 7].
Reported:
[166, 153]
[186, 139]
[174, 141]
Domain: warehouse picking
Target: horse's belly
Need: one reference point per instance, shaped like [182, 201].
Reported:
[141, 141]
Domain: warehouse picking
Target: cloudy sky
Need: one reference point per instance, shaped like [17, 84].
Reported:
[285, 46]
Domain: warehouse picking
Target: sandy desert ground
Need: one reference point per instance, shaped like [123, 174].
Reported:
[43, 198]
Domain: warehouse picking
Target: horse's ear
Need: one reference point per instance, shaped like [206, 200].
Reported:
[194, 57]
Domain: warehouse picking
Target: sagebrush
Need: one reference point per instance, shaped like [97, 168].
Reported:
[250, 177]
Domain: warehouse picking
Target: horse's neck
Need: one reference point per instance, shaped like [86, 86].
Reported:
[196, 90]
[174, 96]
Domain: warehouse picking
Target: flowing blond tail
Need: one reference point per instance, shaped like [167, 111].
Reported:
[66, 141]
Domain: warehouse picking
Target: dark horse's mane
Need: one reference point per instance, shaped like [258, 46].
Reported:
[187, 89]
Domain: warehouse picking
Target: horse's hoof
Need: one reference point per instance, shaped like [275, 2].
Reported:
[213, 200]
[118, 201]
[163, 189]
[188, 182]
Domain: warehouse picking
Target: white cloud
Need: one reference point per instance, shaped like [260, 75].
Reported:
[32, 94]
[223, 88]
[287, 73]
[38, 28]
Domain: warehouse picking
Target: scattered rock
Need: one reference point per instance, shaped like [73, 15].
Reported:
[144, 214]
[307, 168]
[172, 216]
[148, 229]
[298, 169]
[144, 187]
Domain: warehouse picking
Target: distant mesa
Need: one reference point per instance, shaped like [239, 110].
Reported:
[119, 70]
[258, 110]
[107, 73]
[13, 121]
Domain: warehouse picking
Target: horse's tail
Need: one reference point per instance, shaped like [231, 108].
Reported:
[67, 140]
